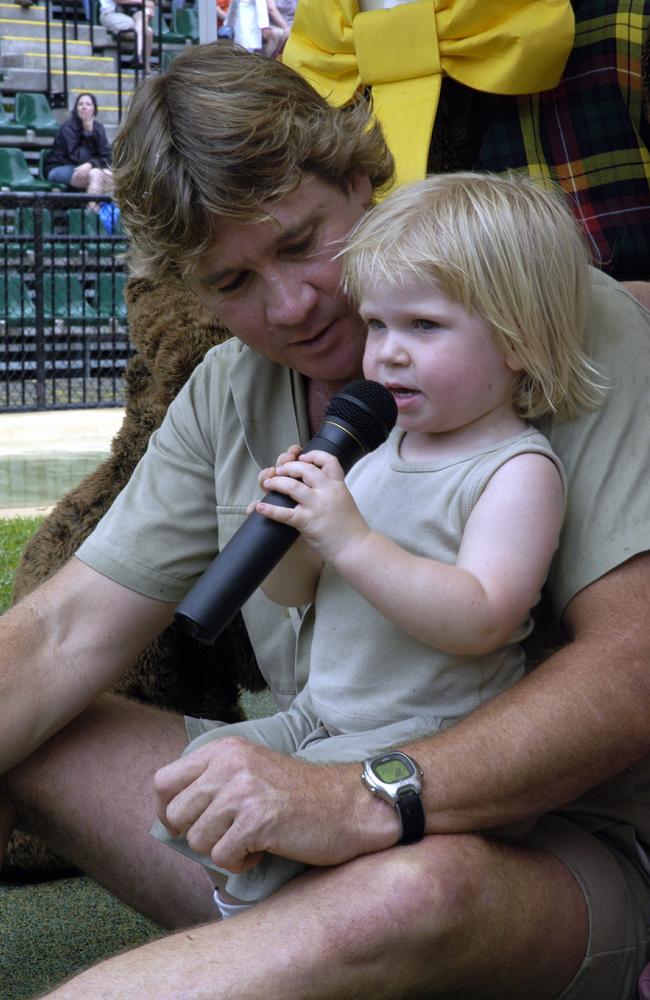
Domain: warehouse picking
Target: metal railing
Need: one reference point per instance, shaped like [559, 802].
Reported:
[64, 339]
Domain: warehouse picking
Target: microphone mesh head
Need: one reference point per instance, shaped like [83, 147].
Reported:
[369, 408]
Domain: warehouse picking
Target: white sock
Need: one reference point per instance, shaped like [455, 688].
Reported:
[230, 909]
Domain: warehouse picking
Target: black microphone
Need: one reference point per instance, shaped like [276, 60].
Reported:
[357, 420]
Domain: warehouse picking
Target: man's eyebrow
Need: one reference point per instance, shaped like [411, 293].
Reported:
[277, 243]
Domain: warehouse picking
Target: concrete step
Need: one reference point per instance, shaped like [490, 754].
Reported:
[32, 55]
[102, 84]
[34, 44]
[33, 12]
[29, 52]
[19, 19]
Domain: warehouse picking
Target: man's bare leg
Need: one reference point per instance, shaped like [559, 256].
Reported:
[88, 793]
[452, 916]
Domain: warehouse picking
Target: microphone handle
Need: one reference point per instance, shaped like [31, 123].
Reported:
[255, 548]
[235, 573]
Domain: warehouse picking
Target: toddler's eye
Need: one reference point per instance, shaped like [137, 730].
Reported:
[425, 324]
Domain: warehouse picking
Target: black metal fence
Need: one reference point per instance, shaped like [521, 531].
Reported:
[63, 324]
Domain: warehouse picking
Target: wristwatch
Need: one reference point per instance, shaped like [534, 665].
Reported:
[397, 778]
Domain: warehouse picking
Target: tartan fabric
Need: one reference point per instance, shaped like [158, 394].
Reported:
[589, 134]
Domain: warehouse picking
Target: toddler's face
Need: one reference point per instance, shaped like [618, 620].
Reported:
[442, 365]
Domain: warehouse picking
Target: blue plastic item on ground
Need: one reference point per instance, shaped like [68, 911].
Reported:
[110, 217]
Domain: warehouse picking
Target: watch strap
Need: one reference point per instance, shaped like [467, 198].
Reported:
[411, 813]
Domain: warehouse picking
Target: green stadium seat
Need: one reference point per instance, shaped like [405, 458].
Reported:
[24, 226]
[9, 126]
[34, 112]
[185, 21]
[168, 56]
[63, 298]
[109, 296]
[16, 302]
[162, 31]
[85, 223]
[15, 173]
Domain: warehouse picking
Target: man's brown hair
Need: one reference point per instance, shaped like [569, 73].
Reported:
[220, 133]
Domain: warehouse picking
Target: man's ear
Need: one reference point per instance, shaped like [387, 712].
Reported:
[361, 188]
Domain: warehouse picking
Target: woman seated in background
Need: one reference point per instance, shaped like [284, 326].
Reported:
[81, 154]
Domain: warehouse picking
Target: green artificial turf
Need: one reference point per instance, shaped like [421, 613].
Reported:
[15, 532]
[51, 929]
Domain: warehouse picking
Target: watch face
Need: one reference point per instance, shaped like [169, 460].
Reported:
[392, 769]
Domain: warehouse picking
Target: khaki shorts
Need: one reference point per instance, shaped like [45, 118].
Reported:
[115, 20]
[617, 894]
[616, 891]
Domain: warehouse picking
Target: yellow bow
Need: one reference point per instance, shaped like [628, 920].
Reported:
[402, 52]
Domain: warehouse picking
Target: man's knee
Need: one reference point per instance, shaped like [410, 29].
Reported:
[437, 885]
[430, 892]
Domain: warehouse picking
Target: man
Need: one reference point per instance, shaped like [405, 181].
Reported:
[233, 173]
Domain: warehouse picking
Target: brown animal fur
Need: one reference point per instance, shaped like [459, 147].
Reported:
[171, 332]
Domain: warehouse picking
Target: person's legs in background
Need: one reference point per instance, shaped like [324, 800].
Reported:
[144, 38]
[61, 174]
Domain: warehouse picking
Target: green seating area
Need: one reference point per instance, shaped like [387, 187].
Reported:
[65, 298]
[23, 234]
[16, 300]
[162, 32]
[109, 297]
[15, 174]
[185, 22]
[31, 113]
[34, 112]
[62, 281]
[9, 126]
[65, 232]
[85, 229]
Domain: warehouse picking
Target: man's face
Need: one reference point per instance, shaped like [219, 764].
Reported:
[275, 285]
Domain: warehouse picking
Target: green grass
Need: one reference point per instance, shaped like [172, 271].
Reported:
[14, 533]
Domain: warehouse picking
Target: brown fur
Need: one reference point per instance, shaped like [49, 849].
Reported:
[171, 332]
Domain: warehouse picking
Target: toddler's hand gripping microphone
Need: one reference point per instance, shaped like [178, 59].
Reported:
[358, 420]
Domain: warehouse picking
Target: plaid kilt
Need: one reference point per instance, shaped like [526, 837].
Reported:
[589, 134]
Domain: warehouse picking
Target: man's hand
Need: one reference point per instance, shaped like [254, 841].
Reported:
[233, 799]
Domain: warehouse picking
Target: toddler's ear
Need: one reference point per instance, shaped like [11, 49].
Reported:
[513, 362]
